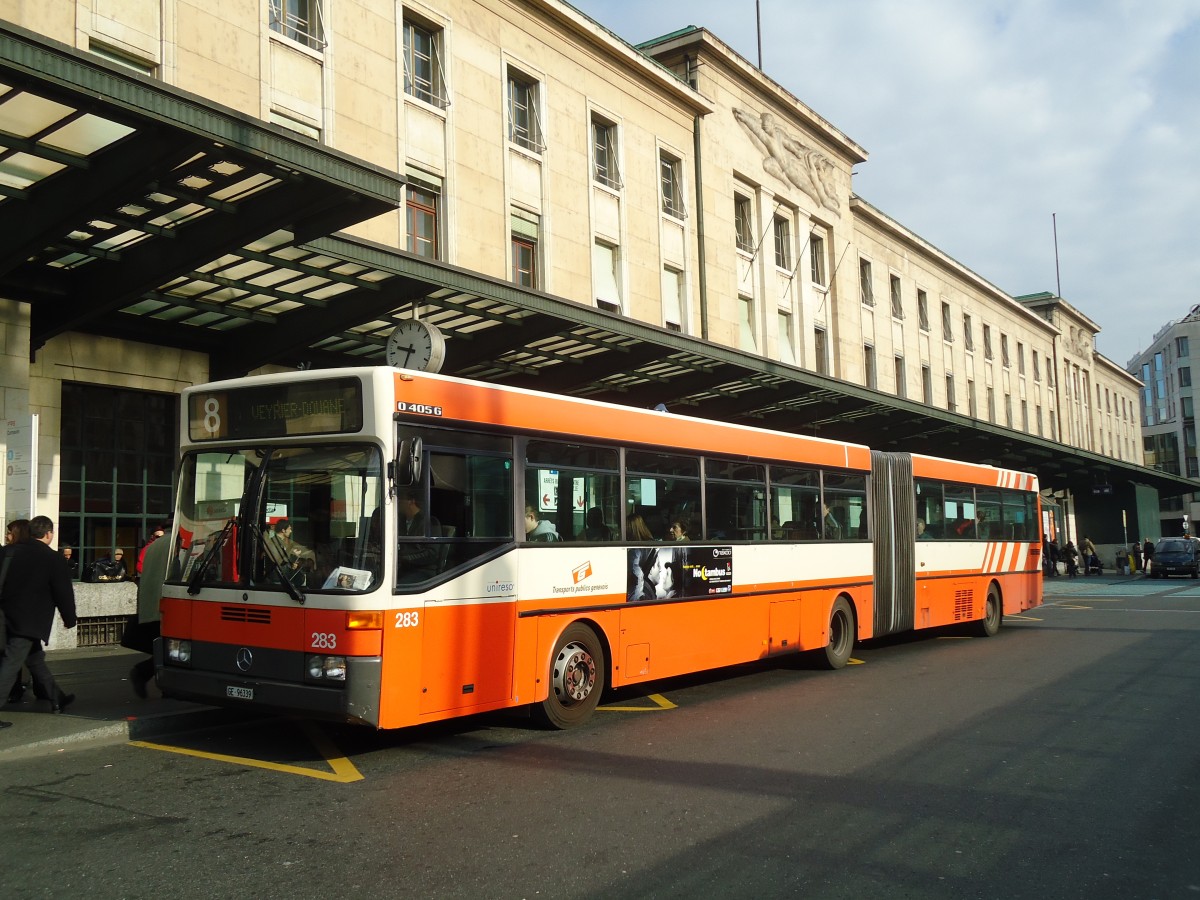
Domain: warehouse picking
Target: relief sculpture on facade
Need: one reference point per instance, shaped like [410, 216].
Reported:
[787, 158]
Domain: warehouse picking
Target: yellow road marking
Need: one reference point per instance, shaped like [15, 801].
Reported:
[343, 772]
[1022, 618]
[854, 662]
[658, 699]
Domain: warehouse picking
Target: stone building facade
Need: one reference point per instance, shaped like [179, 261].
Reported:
[672, 183]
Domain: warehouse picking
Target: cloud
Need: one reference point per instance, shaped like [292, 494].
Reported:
[983, 120]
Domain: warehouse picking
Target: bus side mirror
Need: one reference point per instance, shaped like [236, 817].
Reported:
[409, 460]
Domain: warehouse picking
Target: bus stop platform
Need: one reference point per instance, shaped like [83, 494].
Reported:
[105, 709]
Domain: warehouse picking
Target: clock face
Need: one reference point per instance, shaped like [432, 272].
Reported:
[414, 344]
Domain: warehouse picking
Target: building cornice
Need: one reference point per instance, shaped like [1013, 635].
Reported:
[881, 220]
[711, 48]
[619, 50]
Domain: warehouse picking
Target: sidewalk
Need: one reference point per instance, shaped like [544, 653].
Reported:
[105, 708]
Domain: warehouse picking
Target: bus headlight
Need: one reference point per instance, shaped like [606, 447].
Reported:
[325, 668]
[179, 651]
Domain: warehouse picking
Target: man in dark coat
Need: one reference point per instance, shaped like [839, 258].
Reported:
[36, 585]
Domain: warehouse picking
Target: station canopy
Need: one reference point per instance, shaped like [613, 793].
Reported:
[131, 209]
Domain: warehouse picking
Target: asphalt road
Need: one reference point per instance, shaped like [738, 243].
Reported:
[1056, 760]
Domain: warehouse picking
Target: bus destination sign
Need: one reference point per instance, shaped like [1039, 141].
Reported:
[333, 406]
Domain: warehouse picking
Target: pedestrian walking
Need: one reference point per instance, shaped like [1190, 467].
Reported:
[1147, 554]
[141, 631]
[15, 532]
[36, 584]
[1137, 557]
[1071, 555]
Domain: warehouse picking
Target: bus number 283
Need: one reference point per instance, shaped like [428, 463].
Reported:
[408, 619]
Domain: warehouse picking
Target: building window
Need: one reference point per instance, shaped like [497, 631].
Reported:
[783, 243]
[524, 124]
[605, 259]
[901, 387]
[1185, 376]
[746, 324]
[927, 385]
[1181, 345]
[972, 411]
[820, 351]
[816, 256]
[1020, 359]
[743, 224]
[670, 172]
[897, 298]
[1008, 419]
[1004, 351]
[864, 283]
[869, 375]
[968, 333]
[299, 20]
[118, 455]
[424, 77]
[987, 342]
[1025, 415]
[1037, 411]
[672, 299]
[421, 218]
[947, 323]
[950, 402]
[604, 154]
[526, 232]
[991, 404]
[524, 262]
[922, 310]
[787, 349]
[1037, 369]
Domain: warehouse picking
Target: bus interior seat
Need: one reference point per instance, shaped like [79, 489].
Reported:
[448, 531]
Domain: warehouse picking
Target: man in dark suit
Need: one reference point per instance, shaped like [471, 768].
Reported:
[36, 585]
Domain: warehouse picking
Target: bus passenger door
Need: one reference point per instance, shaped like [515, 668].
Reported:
[467, 654]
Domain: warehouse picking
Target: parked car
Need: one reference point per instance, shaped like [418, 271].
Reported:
[1176, 556]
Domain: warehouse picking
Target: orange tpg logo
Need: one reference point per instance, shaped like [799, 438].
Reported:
[582, 572]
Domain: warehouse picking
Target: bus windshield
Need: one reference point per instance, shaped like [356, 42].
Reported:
[256, 516]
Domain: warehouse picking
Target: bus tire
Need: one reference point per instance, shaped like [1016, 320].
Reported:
[578, 672]
[841, 635]
[993, 613]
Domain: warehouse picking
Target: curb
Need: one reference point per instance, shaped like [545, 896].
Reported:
[124, 730]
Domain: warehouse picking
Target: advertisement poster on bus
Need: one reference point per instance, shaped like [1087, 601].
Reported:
[677, 572]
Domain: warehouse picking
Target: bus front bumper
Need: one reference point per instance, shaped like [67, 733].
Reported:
[270, 680]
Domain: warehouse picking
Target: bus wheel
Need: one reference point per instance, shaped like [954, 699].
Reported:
[992, 613]
[577, 674]
[841, 634]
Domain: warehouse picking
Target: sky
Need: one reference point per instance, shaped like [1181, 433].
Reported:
[990, 124]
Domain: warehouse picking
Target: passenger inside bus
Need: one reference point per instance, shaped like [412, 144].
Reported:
[537, 528]
[679, 530]
[594, 528]
[417, 555]
[832, 522]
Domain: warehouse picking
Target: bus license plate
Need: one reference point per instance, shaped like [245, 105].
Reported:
[240, 693]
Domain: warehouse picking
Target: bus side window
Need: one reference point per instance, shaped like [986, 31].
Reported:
[573, 492]
[846, 497]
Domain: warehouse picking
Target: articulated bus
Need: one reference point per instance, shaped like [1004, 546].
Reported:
[393, 547]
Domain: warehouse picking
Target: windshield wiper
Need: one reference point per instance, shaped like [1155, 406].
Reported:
[293, 590]
[198, 575]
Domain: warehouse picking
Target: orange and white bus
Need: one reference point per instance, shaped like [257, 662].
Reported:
[393, 547]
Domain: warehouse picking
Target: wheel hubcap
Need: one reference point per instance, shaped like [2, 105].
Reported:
[574, 673]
